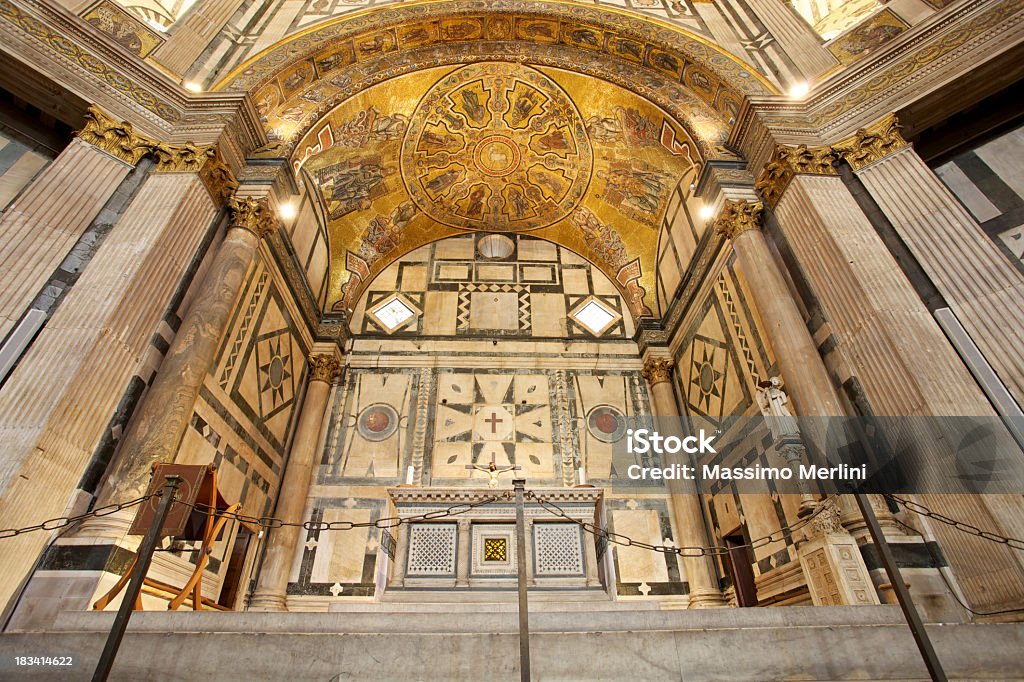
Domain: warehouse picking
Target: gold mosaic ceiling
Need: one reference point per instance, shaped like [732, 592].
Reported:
[502, 147]
[403, 143]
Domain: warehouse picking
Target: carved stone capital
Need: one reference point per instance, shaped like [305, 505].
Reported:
[790, 161]
[870, 144]
[117, 138]
[181, 158]
[739, 216]
[252, 215]
[827, 521]
[324, 367]
[218, 178]
[657, 370]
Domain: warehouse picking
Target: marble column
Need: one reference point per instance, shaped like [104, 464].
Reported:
[401, 556]
[802, 368]
[53, 211]
[159, 425]
[686, 503]
[464, 554]
[272, 589]
[976, 280]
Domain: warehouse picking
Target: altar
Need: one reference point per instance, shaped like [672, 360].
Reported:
[476, 549]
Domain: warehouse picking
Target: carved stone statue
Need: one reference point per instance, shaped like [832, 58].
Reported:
[774, 405]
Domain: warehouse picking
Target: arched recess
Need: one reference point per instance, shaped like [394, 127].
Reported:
[312, 88]
[467, 286]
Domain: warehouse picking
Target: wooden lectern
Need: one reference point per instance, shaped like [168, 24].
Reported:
[199, 513]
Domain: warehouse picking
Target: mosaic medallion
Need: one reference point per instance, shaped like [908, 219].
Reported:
[606, 423]
[377, 422]
[496, 146]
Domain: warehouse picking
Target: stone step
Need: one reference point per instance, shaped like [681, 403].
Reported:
[805, 643]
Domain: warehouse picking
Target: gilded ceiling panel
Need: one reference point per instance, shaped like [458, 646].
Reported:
[496, 146]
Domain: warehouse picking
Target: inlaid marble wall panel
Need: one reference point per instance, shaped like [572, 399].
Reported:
[245, 416]
[641, 572]
[19, 164]
[681, 230]
[989, 182]
[719, 363]
[309, 241]
[494, 286]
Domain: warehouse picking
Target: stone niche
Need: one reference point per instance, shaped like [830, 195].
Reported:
[476, 550]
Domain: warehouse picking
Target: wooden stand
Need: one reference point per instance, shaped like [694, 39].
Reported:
[199, 514]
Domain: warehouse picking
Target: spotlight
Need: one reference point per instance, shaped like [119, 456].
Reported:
[799, 90]
[287, 211]
[192, 86]
[706, 211]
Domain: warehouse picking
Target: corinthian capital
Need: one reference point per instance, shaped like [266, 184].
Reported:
[657, 370]
[117, 138]
[870, 144]
[252, 215]
[790, 161]
[324, 367]
[739, 216]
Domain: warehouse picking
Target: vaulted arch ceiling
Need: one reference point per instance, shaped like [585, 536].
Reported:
[415, 122]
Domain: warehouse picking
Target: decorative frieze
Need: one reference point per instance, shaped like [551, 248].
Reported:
[657, 370]
[324, 367]
[738, 217]
[252, 215]
[790, 161]
[870, 144]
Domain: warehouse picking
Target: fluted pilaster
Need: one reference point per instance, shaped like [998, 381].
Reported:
[980, 285]
[45, 221]
[57, 402]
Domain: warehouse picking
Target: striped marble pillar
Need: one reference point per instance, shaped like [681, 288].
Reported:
[49, 216]
[56, 404]
[803, 371]
[271, 591]
[976, 280]
[705, 591]
[157, 428]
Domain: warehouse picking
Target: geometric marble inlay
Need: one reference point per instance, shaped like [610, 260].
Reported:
[431, 549]
[558, 549]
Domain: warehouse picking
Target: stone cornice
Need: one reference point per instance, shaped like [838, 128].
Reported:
[738, 217]
[97, 69]
[657, 370]
[788, 162]
[253, 215]
[417, 495]
[324, 367]
[940, 48]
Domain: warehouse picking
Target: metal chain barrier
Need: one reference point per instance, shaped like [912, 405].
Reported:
[63, 521]
[922, 510]
[269, 522]
[625, 541]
